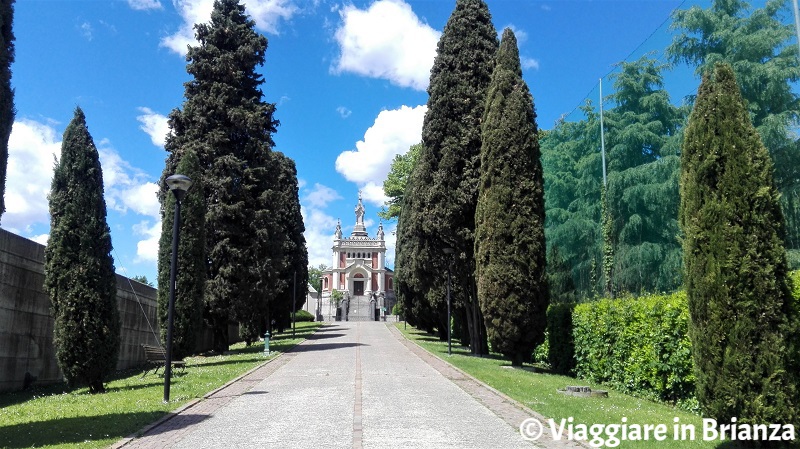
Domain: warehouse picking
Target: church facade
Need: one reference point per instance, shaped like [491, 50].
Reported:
[359, 274]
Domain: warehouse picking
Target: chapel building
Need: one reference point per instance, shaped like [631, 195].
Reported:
[359, 273]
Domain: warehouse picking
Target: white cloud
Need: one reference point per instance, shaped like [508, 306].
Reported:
[529, 63]
[373, 193]
[386, 41]
[393, 132]
[32, 150]
[41, 239]
[143, 5]
[86, 30]
[319, 225]
[265, 13]
[127, 187]
[155, 125]
[320, 196]
[343, 111]
[147, 248]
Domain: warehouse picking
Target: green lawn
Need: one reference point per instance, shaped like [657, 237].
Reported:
[55, 417]
[537, 390]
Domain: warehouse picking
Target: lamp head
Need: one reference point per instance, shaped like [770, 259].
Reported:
[179, 184]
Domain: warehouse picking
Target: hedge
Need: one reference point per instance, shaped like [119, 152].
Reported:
[637, 345]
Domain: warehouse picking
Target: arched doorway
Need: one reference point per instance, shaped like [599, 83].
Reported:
[358, 284]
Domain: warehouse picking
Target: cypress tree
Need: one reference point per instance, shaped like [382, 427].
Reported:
[510, 250]
[736, 270]
[446, 185]
[283, 257]
[7, 111]
[191, 275]
[226, 122]
[79, 269]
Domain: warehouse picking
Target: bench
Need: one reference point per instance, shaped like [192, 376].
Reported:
[156, 356]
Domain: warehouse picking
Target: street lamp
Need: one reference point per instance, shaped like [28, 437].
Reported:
[449, 252]
[178, 184]
[319, 298]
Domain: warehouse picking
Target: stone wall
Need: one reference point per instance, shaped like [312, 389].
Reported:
[26, 327]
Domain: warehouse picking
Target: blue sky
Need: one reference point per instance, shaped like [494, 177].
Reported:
[348, 78]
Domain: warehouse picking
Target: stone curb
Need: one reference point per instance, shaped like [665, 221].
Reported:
[522, 407]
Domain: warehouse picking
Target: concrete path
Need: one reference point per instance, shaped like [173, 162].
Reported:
[353, 384]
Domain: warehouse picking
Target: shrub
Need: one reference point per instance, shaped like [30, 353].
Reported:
[561, 344]
[397, 309]
[637, 345]
[302, 315]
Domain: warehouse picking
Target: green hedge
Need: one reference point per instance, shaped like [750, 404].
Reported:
[560, 343]
[637, 345]
[302, 315]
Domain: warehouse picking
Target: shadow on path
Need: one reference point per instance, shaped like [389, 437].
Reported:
[74, 430]
[326, 346]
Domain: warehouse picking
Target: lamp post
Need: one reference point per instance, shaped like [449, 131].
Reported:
[319, 298]
[449, 252]
[178, 184]
[294, 303]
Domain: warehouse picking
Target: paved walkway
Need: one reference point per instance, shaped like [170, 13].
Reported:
[353, 384]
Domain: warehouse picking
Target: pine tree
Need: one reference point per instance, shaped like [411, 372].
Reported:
[447, 170]
[736, 271]
[7, 111]
[79, 269]
[226, 122]
[191, 274]
[573, 183]
[510, 250]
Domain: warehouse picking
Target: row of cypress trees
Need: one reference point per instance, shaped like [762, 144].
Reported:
[476, 187]
[242, 243]
[243, 251]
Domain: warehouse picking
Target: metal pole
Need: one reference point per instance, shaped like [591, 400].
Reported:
[294, 303]
[602, 133]
[797, 25]
[171, 309]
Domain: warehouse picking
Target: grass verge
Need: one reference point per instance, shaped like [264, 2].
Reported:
[537, 390]
[55, 417]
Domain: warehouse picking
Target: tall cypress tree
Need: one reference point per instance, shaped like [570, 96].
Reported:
[226, 122]
[7, 111]
[510, 250]
[191, 274]
[446, 185]
[736, 271]
[79, 269]
[292, 264]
